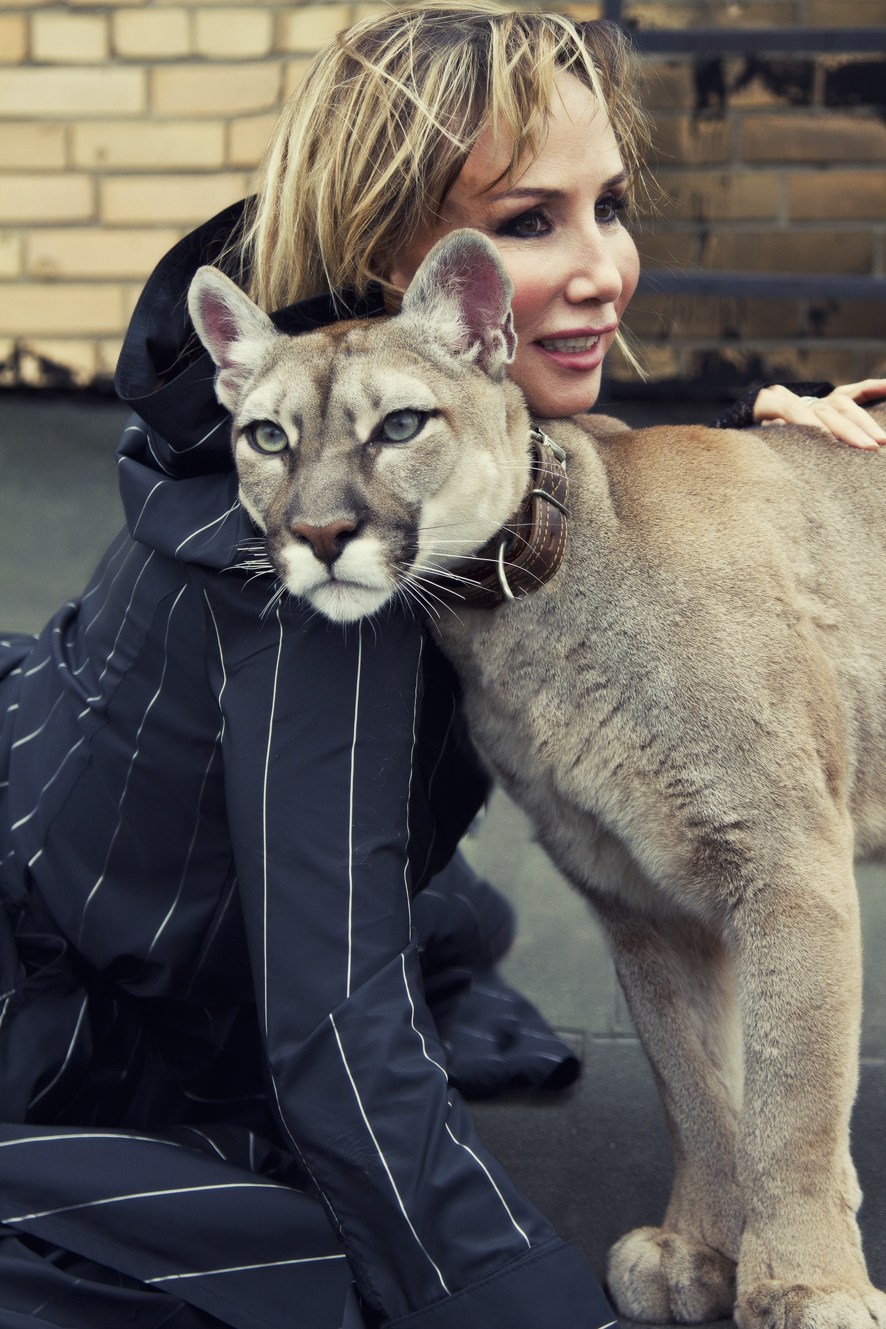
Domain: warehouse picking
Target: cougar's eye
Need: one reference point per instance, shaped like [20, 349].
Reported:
[401, 425]
[268, 437]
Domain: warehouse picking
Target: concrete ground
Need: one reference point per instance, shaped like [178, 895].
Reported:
[595, 1158]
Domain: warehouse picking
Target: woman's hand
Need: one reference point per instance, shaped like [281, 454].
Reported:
[839, 413]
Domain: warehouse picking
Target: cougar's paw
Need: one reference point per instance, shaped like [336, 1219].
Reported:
[773, 1305]
[659, 1277]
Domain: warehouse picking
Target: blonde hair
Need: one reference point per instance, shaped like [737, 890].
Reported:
[372, 141]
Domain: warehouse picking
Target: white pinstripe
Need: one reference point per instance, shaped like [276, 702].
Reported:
[351, 808]
[239, 1268]
[264, 822]
[132, 761]
[125, 549]
[146, 502]
[477, 1160]
[27, 738]
[144, 1195]
[97, 696]
[98, 586]
[221, 657]
[424, 1049]
[61, 1070]
[491, 1180]
[89, 1135]
[32, 861]
[3, 1012]
[181, 884]
[384, 1161]
[191, 446]
[233, 508]
[37, 668]
[150, 441]
[209, 940]
[21, 821]
[421, 644]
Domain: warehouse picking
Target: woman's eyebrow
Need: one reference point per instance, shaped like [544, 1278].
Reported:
[523, 191]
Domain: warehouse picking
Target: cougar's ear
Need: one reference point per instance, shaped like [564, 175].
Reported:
[461, 294]
[234, 331]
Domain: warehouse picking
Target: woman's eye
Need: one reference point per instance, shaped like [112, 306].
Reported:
[607, 209]
[527, 224]
[401, 425]
[268, 437]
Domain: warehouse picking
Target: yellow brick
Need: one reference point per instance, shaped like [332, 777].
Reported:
[152, 33]
[652, 14]
[150, 144]
[39, 198]
[745, 15]
[78, 357]
[108, 353]
[176, 199]
[851, 195]
[715, 195]
[31, 147]
[10, 254]
[232, 34]
[13, 39]
[61, 309]
[248, 139]
[827, 13]
[309, 27]
[131, 295]
[813, 138]
[215, 89]
[61, 92]
[293, 75]
[359, 12]
[69, 39]
[96, 251]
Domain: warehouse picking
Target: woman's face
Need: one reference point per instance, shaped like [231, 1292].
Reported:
[557, 228]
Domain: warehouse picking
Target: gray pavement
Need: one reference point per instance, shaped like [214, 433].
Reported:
[595, 1158]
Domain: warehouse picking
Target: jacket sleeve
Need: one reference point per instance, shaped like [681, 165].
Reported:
[319, 746]
[740, 415]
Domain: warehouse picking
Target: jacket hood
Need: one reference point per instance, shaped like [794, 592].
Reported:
[177, 477]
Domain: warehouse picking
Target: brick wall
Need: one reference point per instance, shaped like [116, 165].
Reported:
[766, 164]
[124, 124]
[121, 127]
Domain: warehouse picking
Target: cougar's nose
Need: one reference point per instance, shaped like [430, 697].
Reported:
[327, 542]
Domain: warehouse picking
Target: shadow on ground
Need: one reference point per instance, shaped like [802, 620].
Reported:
[595, 1158]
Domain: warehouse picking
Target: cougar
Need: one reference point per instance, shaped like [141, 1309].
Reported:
[691, 708]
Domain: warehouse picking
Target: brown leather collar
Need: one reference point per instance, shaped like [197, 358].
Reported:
[528, 549]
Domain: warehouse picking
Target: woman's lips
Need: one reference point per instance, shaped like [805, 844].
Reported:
[579, 349]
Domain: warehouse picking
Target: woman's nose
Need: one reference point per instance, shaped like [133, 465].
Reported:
[595, 274]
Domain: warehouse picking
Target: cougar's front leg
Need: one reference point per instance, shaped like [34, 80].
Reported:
[678, 978]
[798, 955]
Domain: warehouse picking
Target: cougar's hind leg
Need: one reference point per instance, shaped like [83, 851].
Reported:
[678, 978]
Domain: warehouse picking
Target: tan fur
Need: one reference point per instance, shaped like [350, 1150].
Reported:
[693, 713]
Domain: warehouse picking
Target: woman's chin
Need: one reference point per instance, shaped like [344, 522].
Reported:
[553, 392]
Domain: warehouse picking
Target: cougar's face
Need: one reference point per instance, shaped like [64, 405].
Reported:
[355, 458]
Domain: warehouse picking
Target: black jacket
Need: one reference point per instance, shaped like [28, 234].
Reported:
[217, 1065]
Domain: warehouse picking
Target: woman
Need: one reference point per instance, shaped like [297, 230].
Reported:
[225, 1096]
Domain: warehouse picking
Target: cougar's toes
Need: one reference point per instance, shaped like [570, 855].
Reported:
[659, 1277]
[774, 1305]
